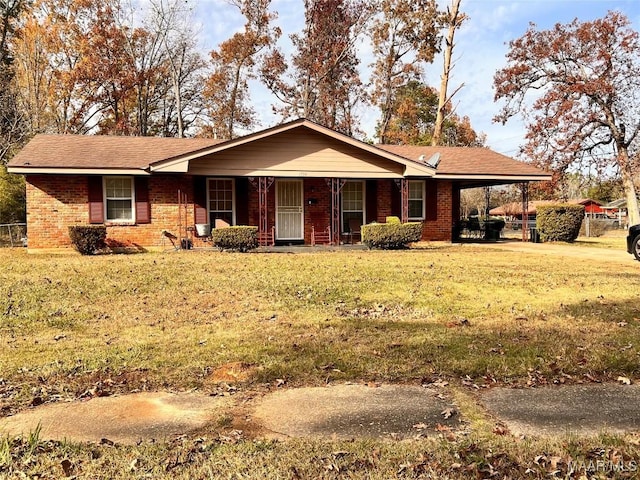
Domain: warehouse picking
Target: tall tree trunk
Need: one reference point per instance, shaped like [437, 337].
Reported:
[387, 106]
[626, 172]
[454, 21]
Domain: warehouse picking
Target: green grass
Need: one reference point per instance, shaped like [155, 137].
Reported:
[614, 239]
[167, 321]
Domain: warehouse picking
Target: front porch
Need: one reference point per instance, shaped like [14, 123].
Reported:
[289, 211]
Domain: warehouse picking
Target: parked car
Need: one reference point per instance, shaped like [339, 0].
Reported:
[633, 241]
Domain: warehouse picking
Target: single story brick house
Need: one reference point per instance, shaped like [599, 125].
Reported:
[288, 180]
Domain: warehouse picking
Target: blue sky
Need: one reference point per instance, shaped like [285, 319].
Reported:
[480, 51]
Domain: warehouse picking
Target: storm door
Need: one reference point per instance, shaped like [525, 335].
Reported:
[289, 210]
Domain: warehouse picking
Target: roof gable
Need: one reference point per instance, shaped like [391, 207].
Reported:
[302, 127]
[295, 153]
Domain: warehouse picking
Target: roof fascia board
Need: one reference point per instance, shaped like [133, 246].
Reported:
[75, 171]
[524, 178]
[230, 172]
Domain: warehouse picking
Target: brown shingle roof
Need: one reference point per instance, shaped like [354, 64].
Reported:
[138, 153]
[103, 151]
[466, 160]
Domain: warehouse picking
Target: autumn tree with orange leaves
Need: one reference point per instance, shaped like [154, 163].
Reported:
[85, 66]
[321, 82]
[12, 128]
[587, 112]
[413, 116]
[404, 37]
[226, 91]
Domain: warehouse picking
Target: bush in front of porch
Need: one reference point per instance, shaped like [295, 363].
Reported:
[391, 235]
[238, 238]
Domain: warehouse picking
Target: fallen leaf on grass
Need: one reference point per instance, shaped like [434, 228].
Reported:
[67, 467]
[591, 378]
[420, 426]
[448, 412]
[500, 430]
[624, 380]
[439, 383]
[340, 453]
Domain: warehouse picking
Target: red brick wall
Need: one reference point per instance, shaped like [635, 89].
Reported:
[441, 229]
[55, 202]
[318, 214]
[385, 190]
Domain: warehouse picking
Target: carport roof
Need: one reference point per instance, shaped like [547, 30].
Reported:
[472, 163]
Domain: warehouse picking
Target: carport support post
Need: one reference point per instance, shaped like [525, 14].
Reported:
[487, 201]
[525, 210]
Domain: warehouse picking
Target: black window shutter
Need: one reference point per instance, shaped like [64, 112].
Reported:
[96, 201]
[200, 200]
[143, 207]
[431, 200]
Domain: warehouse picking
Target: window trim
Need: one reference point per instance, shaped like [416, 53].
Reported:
[233, 199]
[423, 199]
[364, 202]
[107, 220]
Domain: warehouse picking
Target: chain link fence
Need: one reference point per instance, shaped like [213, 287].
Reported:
[13, 234]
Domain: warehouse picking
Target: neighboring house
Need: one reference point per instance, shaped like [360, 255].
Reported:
[513, 210]
[617, 209]
[286, 179]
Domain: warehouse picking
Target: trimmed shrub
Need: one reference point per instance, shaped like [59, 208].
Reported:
[239, 238]
[391, 235]
[394, 220]
[88, 239]
[559, 222]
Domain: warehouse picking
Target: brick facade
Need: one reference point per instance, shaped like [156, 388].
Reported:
[57, 201]
[442, 228]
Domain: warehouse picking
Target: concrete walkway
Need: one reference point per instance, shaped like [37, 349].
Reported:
[583, 410]
[335, 412]
[562, 250]
[355, 411]
[123, 419]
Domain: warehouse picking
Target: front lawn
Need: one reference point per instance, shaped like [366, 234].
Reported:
[73, 326]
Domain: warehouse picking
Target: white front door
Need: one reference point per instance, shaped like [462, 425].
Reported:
[289, 210]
